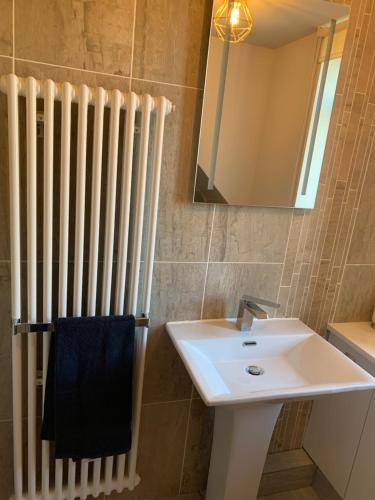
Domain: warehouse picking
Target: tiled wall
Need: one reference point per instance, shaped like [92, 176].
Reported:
[206, 257]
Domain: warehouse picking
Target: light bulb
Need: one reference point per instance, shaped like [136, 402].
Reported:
[233, 21]
[235, 14]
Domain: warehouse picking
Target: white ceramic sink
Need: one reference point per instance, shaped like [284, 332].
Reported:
[295, 363]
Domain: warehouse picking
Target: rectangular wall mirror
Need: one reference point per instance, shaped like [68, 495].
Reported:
[271, 79]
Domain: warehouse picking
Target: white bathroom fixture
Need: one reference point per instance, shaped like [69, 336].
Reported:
[247, 378]
[56, 224]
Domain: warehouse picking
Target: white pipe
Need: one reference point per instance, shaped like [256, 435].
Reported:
[75, 97]
[14, 187]
[124, 233]
[84, 479]
[111, 202]
[95, 200]
[64, 240]
[125, 203]
[154, 204]
[109, 232]
[31, 281]
[134, 277]
[94, 231]
[80, 200]
[47, 255]
[140, 201]
[79, 242]
[79, 230]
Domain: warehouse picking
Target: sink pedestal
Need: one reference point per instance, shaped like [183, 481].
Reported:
[242, 435]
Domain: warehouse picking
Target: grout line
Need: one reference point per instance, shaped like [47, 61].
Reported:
[103, 73]
[186, 440]
[359, 265]
[155, 403]
[208, 260]
[72, 68]
[216, 262]
[133, 38]
[284, 263]
[159, 82]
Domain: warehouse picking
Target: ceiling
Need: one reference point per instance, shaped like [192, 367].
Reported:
[278, 22]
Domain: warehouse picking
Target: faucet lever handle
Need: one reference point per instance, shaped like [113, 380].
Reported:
[259, 301]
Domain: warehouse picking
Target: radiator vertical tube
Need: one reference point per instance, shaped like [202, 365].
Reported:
[146, 299]
[134, 277]
[80, 200]
[124, 234]
[116, 101]
[100, 100]
[49, 96]
[31, 92]
[67, 95]
[111, 201]
[125, 202]
[14, 187]
[83, 97]
[139, 206]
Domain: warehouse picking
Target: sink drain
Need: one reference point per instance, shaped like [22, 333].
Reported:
[254, 370]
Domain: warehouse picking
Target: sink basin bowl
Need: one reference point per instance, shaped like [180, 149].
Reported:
[297, 362]
[248, 378]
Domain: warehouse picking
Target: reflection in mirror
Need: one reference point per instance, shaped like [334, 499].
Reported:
[271, 79]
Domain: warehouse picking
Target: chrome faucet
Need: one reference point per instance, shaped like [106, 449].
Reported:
[249, 309]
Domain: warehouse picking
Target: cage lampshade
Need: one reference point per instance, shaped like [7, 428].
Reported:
[233, 21]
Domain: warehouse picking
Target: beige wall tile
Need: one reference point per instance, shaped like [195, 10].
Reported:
[183, 228]
[198, 447]
[4, 179]
[362, 250]
[176, 295]
[162, 439]
[94, 35]
[171, 40]
[166, 378]
[6, 32]
[75, 76]
[177, 292]
[6, 458]
[226, 283]
[357, 295]
[5, 388]
[5, 309]
[250, 234]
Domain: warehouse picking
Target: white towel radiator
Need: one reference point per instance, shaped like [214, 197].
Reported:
[121, 219]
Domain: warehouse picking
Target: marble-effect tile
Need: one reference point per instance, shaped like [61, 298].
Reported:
[95, 35]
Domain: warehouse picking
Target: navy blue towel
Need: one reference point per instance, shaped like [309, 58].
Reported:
[88, 399]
